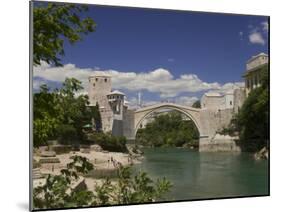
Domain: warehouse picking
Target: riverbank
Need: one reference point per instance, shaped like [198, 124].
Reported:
[105, 164]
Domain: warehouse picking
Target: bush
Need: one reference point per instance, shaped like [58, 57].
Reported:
[128, 189]
[67, 134]
[109, 142]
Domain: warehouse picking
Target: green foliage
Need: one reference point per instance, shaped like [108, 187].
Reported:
[57, 192]
[54, 24]
[197, 104]
[131, 189]
[252, 121]
[43, 129]
[109, 142]
[127, 189]
[46, 116]
[168, 130]
[62, 114]
[67, 134]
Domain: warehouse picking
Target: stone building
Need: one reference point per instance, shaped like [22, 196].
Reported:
[252, 75]
[111, 103]
[214, 100]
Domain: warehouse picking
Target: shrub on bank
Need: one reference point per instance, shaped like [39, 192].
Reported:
[109, 142]
[67, 134]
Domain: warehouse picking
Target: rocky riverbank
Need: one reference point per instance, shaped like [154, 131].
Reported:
[262, 154]
[105, 163]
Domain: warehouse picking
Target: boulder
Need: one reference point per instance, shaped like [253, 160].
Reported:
[85, 150]
[96, 148]
[35, 164]
[77, 185]
[43, 148]
[49, 160]
[262, 154]
[48, 154]
[36, 174]
[61, 149]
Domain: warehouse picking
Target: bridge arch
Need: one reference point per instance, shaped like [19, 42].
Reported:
[191, 113]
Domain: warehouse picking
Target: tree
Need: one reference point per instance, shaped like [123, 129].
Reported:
[252, 121]
[62, 114]
[53, 24]
[197, 104]
[168, 130]
[46, 116]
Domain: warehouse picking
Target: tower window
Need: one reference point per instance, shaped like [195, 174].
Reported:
[105, 80]
[230, 102]
[97, 79]
[94, 84]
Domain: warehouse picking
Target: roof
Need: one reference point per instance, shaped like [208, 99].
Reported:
[256, 56]
[116, 92]
[209, 94]
[100, 75]
[254, 69]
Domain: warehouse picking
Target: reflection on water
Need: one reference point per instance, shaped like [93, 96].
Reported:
[206, 175]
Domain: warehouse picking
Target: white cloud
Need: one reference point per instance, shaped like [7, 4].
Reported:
[256, 38]
[186, 100]
[229, 86]
[258, 34]
[265, 26]
[157, 81]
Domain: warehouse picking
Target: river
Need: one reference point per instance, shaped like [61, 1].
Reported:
[196, 175]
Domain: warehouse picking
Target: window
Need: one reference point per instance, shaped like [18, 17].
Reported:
[97, 79]
[94, 84]
[105, 80]
[230, 102]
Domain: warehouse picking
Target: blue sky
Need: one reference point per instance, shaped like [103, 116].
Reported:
[212, 47]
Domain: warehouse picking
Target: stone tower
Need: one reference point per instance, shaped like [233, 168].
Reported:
[99, 87]
[111, 103]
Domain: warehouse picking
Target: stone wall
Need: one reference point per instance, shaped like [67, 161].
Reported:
[117, 128]
[219, 143]
[212, 121]
[99, 87]
[256, 61]
[239, 98]
[128, 124]
[212, 102]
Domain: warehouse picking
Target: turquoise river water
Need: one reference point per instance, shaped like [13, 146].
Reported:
[196, 175]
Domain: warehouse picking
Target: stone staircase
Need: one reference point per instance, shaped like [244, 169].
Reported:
[36, 174]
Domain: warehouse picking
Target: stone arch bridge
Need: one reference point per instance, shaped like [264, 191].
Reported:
[208, 122]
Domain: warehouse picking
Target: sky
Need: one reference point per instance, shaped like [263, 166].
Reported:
[164, 54]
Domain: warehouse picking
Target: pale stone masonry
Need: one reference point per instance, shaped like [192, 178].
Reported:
[252, 75]
[99, 87]
[112, 105]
